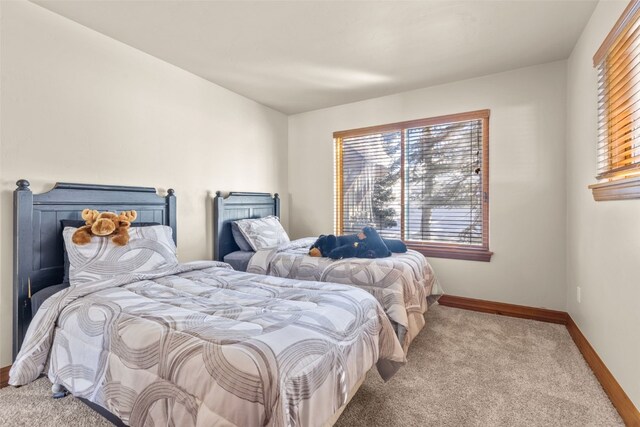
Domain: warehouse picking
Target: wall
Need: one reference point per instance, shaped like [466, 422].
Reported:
[66, 90]
[78, 106]
[527, 195]
[603, 238]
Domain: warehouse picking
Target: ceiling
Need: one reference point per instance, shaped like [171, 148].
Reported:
[297, 56]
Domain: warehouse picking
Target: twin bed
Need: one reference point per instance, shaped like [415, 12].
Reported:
[144, 339]
[404, 284]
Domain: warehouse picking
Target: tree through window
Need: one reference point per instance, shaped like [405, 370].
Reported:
[423, 181]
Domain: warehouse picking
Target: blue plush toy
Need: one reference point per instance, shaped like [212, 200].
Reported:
[367, 244]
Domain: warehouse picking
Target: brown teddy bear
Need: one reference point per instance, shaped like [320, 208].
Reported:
[104, 224]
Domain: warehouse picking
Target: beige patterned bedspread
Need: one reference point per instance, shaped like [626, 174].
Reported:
[404, 284]
[206, 345]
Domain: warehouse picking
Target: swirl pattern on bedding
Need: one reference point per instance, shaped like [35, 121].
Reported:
[203, 344]
[404, 284]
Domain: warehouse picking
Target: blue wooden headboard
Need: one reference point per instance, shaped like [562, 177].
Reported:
[38, 250]
[236, 206]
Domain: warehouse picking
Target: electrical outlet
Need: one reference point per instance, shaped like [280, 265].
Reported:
[578, 294]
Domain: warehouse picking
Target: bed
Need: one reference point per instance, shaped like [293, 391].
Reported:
[164, 343]
[404, 284]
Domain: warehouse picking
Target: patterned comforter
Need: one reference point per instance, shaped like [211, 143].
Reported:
[404, 284]
[203, 344]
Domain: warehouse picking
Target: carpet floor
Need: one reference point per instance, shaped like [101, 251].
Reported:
[465, 369]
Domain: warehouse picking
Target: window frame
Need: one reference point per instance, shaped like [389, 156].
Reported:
[433, 249]
[621, 183]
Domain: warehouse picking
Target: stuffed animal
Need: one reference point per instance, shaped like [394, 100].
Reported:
[366, 244]
[104, 224]
[326, 243]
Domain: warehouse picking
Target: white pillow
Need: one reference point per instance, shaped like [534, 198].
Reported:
[150, 250]
[263, 233]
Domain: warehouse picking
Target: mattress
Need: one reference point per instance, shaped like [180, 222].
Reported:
[239, 260]
[41, 296]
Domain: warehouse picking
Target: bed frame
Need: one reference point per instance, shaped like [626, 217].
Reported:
[237, 206]
[38, 250]
[38, 245]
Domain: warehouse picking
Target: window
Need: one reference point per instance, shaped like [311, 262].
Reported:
[617, 63]
[424, 181]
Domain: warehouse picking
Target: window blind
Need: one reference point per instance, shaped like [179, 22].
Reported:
[370, 175]
[423, 181]
[444, 183]
[618, 68]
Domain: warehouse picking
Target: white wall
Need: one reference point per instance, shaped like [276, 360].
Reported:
[527, 194]
[603, 238]
[66, 90]
[78, 106]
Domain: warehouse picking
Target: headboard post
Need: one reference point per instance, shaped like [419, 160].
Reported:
[171, 213]
[23, 259]
[276, 205]
[218, 204]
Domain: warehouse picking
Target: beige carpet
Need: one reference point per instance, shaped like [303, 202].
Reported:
[465, 369]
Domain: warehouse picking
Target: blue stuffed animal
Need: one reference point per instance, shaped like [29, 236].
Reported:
[367, 244]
